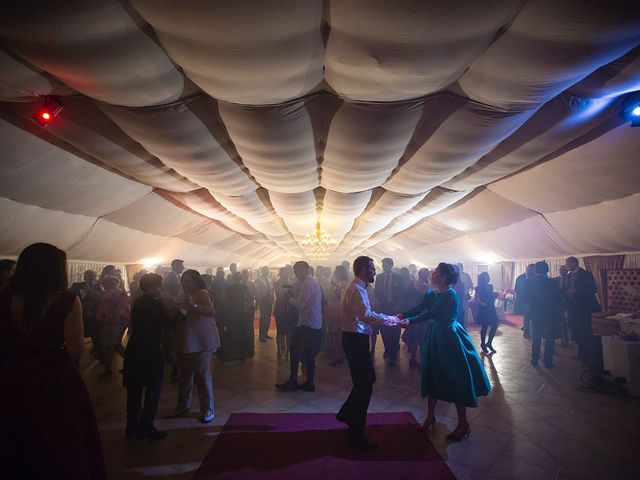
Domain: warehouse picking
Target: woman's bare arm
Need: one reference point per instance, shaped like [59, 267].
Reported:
[74, 331]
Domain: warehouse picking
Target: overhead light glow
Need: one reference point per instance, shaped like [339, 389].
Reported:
[49, 110]
[317, 244]
[631, 109]
[150, 262]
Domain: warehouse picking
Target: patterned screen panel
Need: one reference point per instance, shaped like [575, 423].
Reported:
[623, 290]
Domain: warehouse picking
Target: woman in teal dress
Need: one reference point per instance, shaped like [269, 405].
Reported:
[451, 369]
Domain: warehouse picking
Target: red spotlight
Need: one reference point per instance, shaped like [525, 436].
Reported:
[49, 110]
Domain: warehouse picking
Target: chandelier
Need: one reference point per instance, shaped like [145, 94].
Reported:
[317, 243]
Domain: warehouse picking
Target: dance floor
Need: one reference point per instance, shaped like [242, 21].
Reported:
[311, 446]
[535, 423]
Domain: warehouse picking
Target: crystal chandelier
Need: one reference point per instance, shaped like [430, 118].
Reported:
[316, 244]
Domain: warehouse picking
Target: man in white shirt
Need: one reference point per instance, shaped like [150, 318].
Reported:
[357, 322]
[307, 337]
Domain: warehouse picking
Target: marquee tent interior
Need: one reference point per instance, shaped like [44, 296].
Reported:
[222, 131]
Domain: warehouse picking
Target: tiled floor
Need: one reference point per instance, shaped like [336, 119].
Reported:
[535, 423]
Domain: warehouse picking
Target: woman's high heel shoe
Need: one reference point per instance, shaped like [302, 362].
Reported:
[459, 433]
[426, 425]
[490, 347]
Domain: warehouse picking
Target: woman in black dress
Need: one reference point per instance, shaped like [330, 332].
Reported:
[487, 313]
[48, 427]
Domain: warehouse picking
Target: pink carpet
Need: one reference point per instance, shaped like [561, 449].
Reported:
[311, 446]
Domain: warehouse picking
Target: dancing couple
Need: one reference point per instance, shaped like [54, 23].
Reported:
[451, 369]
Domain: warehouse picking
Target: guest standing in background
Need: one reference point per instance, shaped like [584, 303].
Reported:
[546, 311]
[90, 295]
[251, 299]
[451, 369]
[467, 286]
[173, 294]
[7, 269]
[307, 338]
[48, 427]
[134, 286]
[143, 364]
[283, 314]
[487, 311]
[236, 329]
[197, 338]
[563, 281]
[218, 290]
[388, 292]
[265, 292]
[357, 320]
[334, 314]
[462, 293]
[521, 298]
[414, 334]
[113, 316]
[233, 268]
[580, 297]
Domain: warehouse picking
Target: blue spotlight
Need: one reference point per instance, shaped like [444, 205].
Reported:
[631, 109]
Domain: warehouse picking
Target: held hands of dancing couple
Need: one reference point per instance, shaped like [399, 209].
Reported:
[397, 319]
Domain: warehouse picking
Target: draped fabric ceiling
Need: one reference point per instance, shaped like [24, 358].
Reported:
[217, 131]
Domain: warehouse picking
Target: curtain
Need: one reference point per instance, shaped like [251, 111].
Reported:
[598, 266]
[632, 260]
[507, 269]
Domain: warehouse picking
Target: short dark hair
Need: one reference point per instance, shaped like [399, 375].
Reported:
[360, 263]
[541, 268]
[341, 273]
[150, 280]
[482, 276]
[450, 273]
[196, 277]
[301, 265]
[6, 264]
[573, 260]
[387, 260]
[176, 262]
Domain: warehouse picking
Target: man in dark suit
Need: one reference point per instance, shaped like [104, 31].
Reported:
[521, 298]
[90, 295]
[545, 313]
[562, 281]
[581, 302]
[388, 292]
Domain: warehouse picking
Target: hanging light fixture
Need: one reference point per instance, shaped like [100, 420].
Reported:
[317, 243]
[48, 111]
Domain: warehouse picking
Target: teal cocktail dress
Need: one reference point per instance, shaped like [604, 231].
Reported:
[451, 369]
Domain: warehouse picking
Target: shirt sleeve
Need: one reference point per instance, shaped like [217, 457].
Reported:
[362, 311]
[303, 297]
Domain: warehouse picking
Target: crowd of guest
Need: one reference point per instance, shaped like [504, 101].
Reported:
[183, 318]
[558, 308]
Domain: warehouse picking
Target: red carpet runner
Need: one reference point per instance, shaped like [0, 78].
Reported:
[312, 446]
